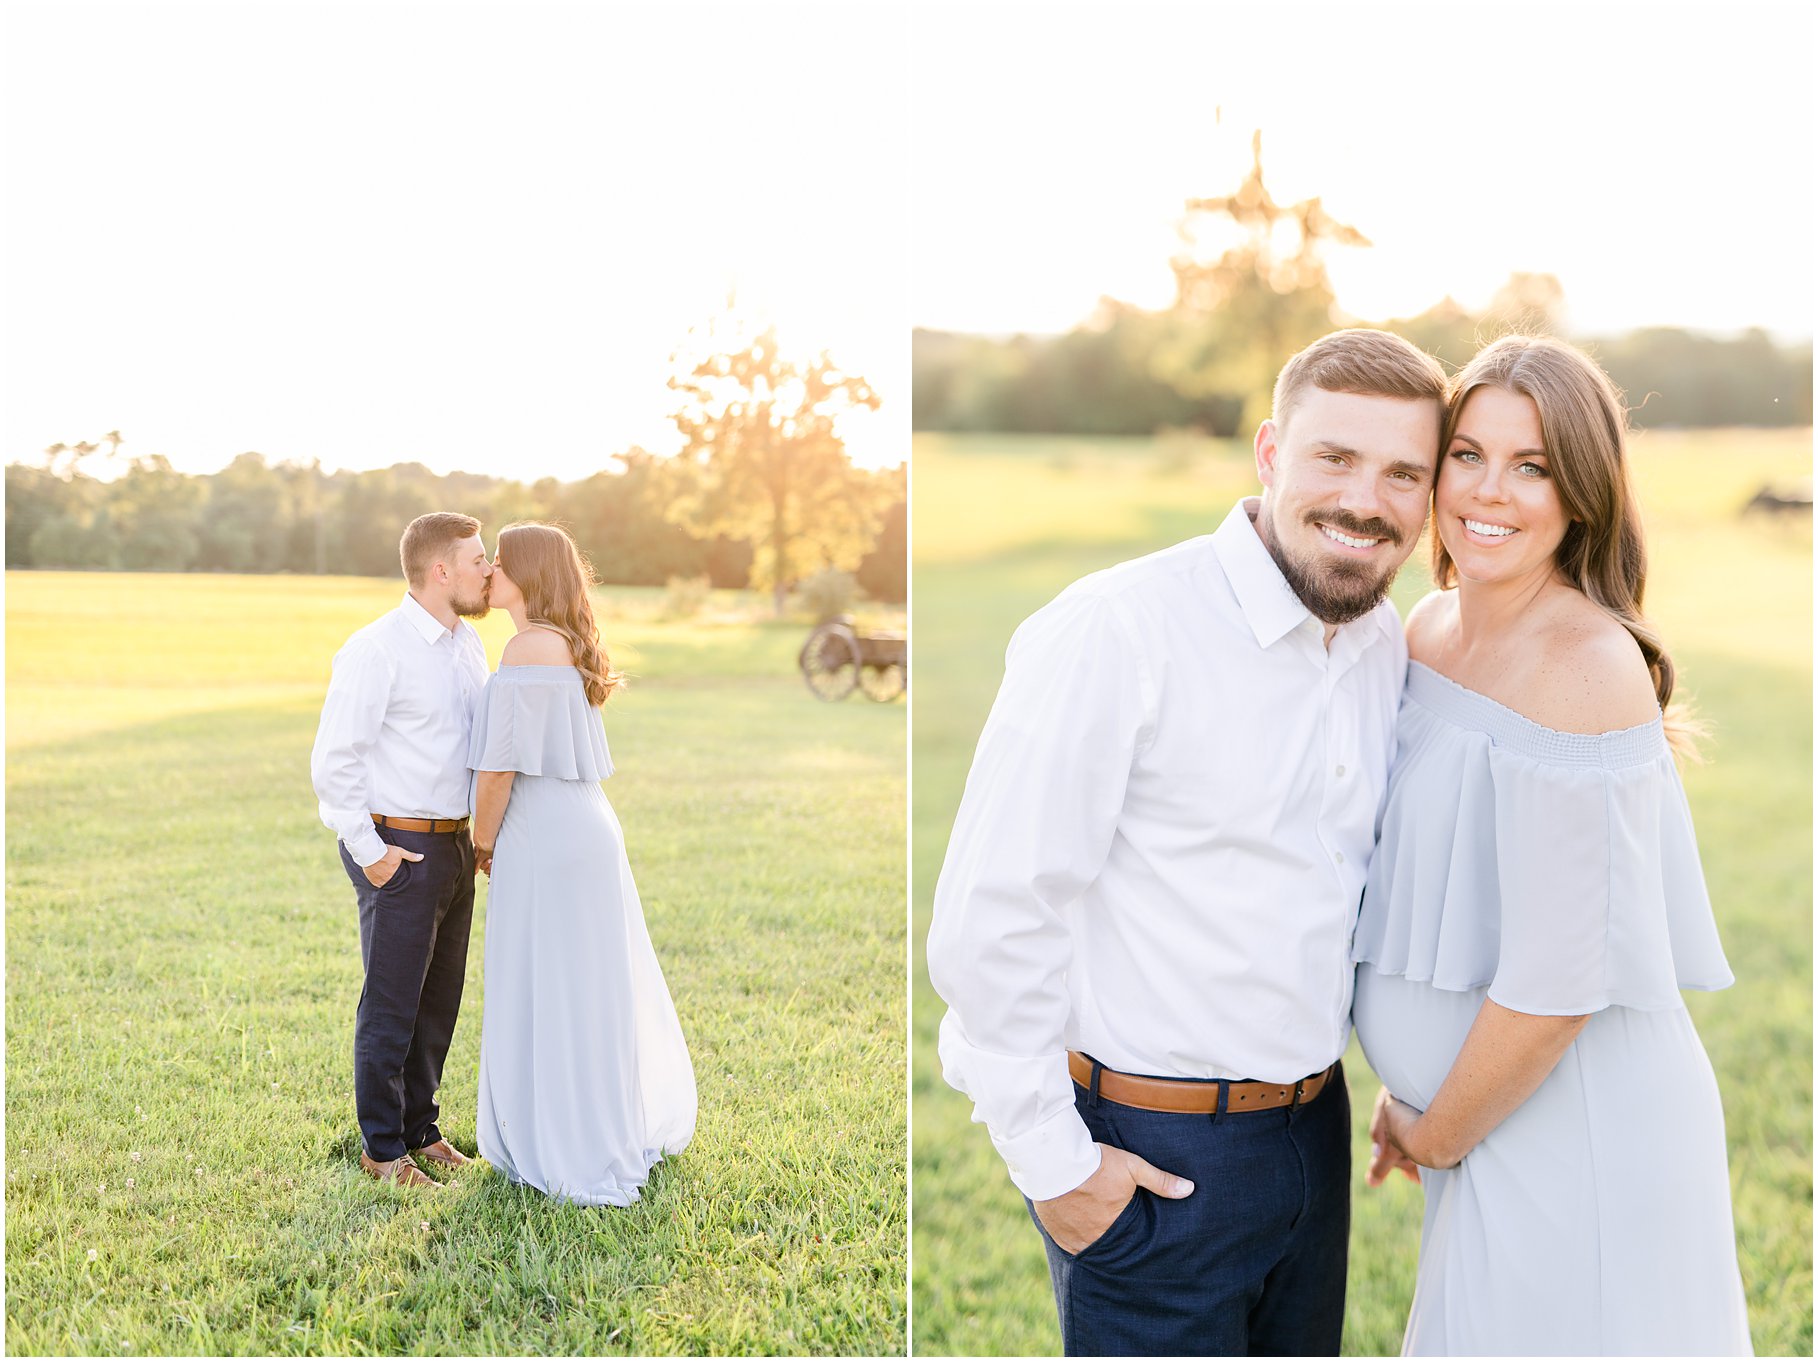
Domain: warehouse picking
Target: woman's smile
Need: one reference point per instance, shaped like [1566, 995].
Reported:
[1486, 531]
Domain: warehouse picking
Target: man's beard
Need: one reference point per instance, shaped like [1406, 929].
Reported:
[1336, 591]
[475, 609]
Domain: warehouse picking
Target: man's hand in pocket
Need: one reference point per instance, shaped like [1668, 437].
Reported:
[381, 870]
[1077, 1219]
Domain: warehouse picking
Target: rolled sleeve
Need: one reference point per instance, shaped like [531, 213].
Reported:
[352, 714]
[1036, 823]
[1031, 1120]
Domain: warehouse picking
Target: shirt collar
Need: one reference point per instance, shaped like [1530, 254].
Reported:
[427, 626]
[1270, 607]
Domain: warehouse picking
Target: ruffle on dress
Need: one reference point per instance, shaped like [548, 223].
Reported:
[536, 721]
[1559, 869]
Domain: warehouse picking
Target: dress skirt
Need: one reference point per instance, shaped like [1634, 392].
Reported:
[585, 1078]
[1595, 1219]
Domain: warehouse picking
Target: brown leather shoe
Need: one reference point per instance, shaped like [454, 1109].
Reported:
[443, 1153]
[400, 1170]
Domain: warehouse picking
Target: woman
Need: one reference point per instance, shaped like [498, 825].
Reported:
[1536, 903]
[585, 1081]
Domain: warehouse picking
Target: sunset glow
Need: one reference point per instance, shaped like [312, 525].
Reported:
[468, 237]
[1658, 161]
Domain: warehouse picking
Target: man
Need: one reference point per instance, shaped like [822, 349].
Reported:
[390, 770]
[1143, 925]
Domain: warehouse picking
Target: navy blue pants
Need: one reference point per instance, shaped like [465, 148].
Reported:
[413, 943]
[1252, 1263]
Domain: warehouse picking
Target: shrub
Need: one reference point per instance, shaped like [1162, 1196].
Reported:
[685, 597]
[827, 594]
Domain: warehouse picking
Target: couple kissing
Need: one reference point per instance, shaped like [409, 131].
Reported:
[429, 771]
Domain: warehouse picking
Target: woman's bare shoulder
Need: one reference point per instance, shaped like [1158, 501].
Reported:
[1590, 675]
[536, 648]
[1431, 616]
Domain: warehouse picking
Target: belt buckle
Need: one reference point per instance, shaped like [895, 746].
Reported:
[1300, 1089]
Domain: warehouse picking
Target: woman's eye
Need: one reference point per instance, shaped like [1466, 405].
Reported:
[1466, 455]
[1533, 470]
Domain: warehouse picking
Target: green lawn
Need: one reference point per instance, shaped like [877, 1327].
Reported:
[1002, 523]
[183, 963]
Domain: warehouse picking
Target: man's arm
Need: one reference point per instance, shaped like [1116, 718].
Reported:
[352, 715]
[1034, 828]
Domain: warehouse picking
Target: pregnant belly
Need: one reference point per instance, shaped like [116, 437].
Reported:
[1411, 1032]
[565, 823]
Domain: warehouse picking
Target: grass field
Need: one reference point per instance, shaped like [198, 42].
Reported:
[1002, 523]
[183, 962]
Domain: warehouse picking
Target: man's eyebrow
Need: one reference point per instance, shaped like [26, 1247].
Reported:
[1398, 466]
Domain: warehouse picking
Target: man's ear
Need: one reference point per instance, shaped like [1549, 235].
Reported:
[1266, 452]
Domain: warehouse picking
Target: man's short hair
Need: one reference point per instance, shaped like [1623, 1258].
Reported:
[430, 536]
[1359, 360]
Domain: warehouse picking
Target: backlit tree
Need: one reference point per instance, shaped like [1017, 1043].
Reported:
[762, 458]
[1240, 311]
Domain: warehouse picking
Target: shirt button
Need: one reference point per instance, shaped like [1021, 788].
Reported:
[1341, 770]
[1340, 857]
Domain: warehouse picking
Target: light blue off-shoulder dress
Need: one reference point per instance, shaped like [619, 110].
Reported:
[1556, 874]
[585, 1079]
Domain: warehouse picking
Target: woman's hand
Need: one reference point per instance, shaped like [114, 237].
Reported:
[1403, 1129]
[482, 859]
[1386, 1157]
[1504, 1058]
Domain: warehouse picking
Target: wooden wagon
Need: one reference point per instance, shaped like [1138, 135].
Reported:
[837, 659]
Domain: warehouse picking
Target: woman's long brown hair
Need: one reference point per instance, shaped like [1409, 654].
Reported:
[547, 567]
[1585, 427]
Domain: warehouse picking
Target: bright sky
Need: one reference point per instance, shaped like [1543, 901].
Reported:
[1659, 160]
[469, 236]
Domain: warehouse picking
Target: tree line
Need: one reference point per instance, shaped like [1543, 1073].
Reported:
[1099, 379]
[1208, 360]
[762, 494]
[257, 516]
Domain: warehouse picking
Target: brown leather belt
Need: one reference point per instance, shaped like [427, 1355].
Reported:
[421, 824]
[1183, 1095]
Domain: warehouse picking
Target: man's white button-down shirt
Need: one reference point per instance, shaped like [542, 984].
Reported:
[394, 730]
[1163, 842]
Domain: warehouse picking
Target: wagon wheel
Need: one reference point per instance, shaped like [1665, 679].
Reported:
[830, 662]
[885, 682]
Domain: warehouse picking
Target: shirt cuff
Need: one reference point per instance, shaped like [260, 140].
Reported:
[1053, 1158]
[366, 846]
